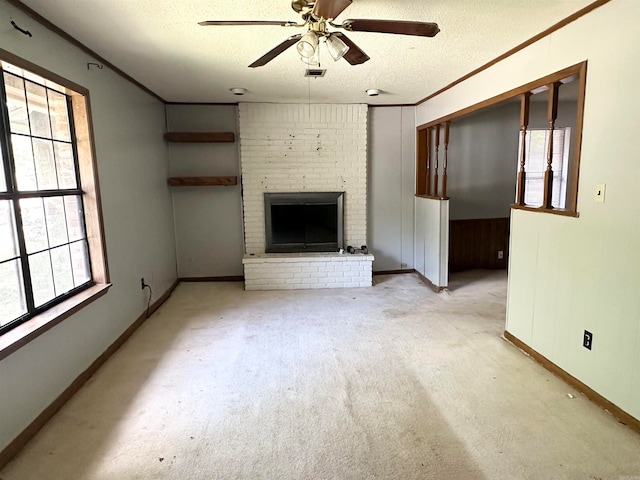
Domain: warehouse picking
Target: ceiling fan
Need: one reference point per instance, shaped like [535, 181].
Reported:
[316, 16]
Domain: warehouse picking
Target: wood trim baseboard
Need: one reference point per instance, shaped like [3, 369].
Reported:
[11, 450]
[394, 272]
[562, 23]
[429, 284]
[236, 278]
[622, 416]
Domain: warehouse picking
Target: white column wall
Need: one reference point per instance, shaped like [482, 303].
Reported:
[392, 158]
[432, 240]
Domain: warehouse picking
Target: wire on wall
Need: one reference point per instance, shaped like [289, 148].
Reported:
[22, 30]
[150, 296]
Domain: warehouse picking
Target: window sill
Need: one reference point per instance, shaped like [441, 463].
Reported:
[554, 211]
[33, 328]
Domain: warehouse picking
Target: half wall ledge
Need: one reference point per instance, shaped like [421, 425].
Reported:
[302, 271]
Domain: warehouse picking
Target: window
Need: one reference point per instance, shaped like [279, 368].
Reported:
[51, 243]
[536, 163]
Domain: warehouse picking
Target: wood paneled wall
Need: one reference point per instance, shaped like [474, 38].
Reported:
[476, 243]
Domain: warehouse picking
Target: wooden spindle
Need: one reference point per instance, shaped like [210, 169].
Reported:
[525, 101]
[435, 175]
[428, 192]
[423, 156]
[552, 111]
[446, 158]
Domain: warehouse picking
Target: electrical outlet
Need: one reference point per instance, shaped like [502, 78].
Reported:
[142, 283]
[587, 340]
[403, 265]
[500, 254]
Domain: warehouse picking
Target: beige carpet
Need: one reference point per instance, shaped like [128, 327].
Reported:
[389, 382]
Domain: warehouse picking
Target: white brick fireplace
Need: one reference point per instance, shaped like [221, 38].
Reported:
[304, 148]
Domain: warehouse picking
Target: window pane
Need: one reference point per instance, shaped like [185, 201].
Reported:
[536, 159]
[12, 299]
[31, 76]
[62, 276]
[38, 110]
[45, 164]
[80, 263]
[59, 116]
[536, 165]
[16, 104]
[56, 221]
[562, 140]
[64, 165]
[23, 161]
[33, 224]
[75, 224]
[41, 278]
[8, 239]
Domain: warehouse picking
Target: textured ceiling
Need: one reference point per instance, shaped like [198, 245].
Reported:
[161, 45]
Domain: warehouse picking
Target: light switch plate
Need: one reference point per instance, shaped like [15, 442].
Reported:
[600, 188]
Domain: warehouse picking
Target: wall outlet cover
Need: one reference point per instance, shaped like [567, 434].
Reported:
[587, 340]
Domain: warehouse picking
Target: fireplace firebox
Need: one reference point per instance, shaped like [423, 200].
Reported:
[304, 222]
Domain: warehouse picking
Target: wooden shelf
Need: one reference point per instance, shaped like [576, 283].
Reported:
[202, 181]
[200, 137]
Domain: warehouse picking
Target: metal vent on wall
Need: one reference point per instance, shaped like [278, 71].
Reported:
[314, 72]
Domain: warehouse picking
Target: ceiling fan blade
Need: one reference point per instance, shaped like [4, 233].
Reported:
[354, 55]
[266, 58]
[422, 29]
[283, 23]
[330, 9]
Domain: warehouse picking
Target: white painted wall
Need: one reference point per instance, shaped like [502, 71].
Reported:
[133, 168]
[208, 220]
[392, 157]
[571, 274]
[483, 161]
[432, 240]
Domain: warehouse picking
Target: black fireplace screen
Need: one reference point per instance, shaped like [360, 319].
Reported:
[304, 222]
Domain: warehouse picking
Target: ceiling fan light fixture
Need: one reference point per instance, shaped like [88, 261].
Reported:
[312, 61]
[308, 44]
[337, 48]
